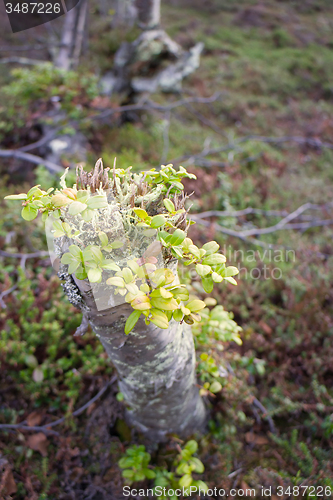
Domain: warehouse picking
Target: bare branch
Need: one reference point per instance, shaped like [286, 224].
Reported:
[22, 60]
[283, 224]
[47, 137]
[37, 160]
[23, 257]
[153, 106]
[46, 428]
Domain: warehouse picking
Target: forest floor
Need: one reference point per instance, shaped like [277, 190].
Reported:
[272, 423]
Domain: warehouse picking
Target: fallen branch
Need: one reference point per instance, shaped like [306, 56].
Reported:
[23, 257]
[22, 60]
[282, 224]
[46, 428]
[270, 421]
[37, 160]
[153, 106]
[270, 140]
[34, 145]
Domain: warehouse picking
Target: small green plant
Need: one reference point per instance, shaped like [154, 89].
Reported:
[150, 288]
[35, 90]
[209, 375]
[135, 465]
[187, 464]
[216, 326]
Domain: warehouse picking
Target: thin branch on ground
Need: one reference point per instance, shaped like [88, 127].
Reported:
[34, 145]
[22, 60]
[33, 255]
[274, 213]
[23, 258]
[46, 427]
[148, 105]
[37, 160]
[270, 421]
[281, 225]
[306, 141]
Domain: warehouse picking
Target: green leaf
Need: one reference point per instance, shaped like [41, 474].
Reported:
[231, 280]
[178, 315]
[215, 387]
[195, 305]
[21, 196]
[76, 208]
[97, 201]
[192, 446]
[159, 318]
[31, 361]
[75, 251]
[178, 185]
[132, 321]
[29, 213]
[141, 213]
[157, 221]
[164, 304]
[34, 191]
[214, 259]
[134, 266]
[94, 275]
[177, 251]
[202, 270]
[96, 254]
[150, 474]
[230, 271]
[128, 474]
[177, 237]
[141, 303]
[82, 195]
[109, 265]
[73, 267]
[180, 293]
[211, 247]
[194, 250]
[186, 480]
[87, 215]
[217, 278]
[208, 284]
[120, 397]
[68, 258]
[169, 205]
[127, 275]
[165, 293]
[116, 244]
[116, 281]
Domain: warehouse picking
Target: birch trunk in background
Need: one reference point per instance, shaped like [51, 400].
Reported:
[64, 57]
[149, 13]
[73, 34]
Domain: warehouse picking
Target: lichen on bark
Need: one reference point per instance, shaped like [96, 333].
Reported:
[156, 368]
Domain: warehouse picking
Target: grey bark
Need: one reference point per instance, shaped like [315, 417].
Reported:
[80, 32]
[149, 13]
[126, 13]
[64, 57]
[73, 33]
[156, 368]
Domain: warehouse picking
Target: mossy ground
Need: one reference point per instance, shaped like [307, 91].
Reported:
[273, 65]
